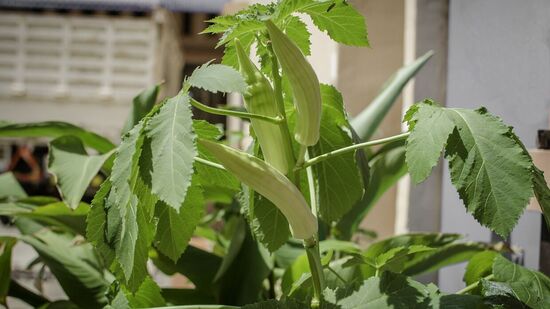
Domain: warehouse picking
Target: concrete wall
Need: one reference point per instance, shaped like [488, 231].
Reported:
[499, 57]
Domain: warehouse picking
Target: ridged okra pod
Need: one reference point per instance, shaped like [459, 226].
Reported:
[260, 99]
[270, 183]
[304, 84]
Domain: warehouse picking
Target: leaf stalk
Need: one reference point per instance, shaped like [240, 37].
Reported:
[227, 112]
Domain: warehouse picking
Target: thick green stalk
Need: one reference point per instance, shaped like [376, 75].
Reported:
[314, 259]
[227, 112]
[345, 150]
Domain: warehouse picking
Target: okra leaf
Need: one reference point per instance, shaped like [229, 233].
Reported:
[73, 168]
[130, 226]
[147, 296]
[175, 229]
[217, 77]
[489, 167]
[267, 222]
[530, 287]
[338, 179]
[398, 291]
[479, 266]
[96, 224]
[424, 145]
[297, 31]
[542, 193]
[173, 150]
[219, 185]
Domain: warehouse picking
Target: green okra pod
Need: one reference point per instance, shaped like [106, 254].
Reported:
[304, 83]
[270, 183]
[260, 99]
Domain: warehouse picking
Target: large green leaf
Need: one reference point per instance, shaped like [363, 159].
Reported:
[96, 224]
[297, 31]
[480, 265]
[219, 185]
[148, 295]
[425, 144]
[122, 202]
[175, 229]
[530, 287]
[172, 149]
[10, 187]
[338, 179]
[386, 168]
[141, 105]
[366, 123]
[6, 246]
[73, 168]
[489, 167]
[217, 77]
[55, 129]
[542, 193]
[74, 266]
[339, 19]
[397, 291]
[500, 295]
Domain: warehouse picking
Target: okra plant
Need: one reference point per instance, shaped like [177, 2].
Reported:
[282, 212]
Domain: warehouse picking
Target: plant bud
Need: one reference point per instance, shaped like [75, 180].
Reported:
[304, 83]
[260, 99]
[270, 183]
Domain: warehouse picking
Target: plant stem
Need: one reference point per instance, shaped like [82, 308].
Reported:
[474, 285]
[351, 148]
[227, 112]
[314, 260]
[209, 163]
[312, 246]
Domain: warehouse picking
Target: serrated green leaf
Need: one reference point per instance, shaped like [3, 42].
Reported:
[267, 222]
[219, 185]
[342, 22]
[55, 129]
[427, 140]
[172, 150]
[147, 296]
[489, 167]
[530, 287]
[338, 179]
[230, 53]
[217, 77]
[297, 31]
[397, 291]
[122, 202]
[175, 229]
[500, 295]
[141, 105]
[542, 193]
[96, 223]
[73, 168]
[10, 187]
